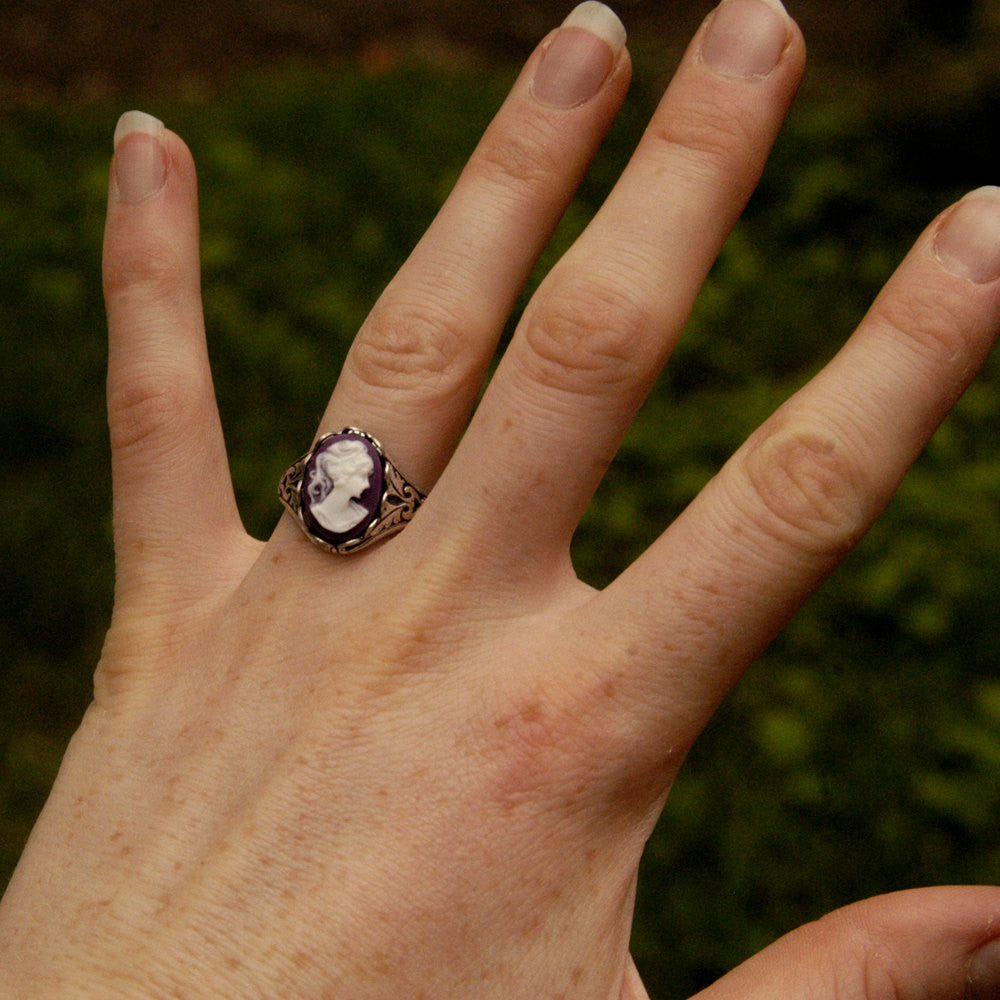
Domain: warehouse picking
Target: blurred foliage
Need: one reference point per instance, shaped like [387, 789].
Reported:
[861, 754]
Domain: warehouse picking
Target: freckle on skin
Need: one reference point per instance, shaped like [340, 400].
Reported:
[530, 713]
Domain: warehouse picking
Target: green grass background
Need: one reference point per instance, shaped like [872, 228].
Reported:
[861, 755]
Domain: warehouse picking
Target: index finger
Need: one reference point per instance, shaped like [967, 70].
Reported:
[710, 594]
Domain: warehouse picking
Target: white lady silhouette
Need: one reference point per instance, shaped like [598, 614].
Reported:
[341, 472]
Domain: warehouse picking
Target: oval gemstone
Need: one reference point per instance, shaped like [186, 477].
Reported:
[342, 487]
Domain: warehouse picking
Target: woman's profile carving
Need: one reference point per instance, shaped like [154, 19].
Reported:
[341, 473]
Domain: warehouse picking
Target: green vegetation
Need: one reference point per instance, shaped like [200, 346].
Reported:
[861, 755]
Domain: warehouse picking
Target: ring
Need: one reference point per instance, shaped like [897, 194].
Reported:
[346, 494]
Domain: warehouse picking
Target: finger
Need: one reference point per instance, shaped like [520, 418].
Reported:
[790, 504]
[602, 324]
[416, 367]
[174, 511]
[923, 944]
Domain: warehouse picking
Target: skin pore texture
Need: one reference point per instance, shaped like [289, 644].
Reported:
[428, 770]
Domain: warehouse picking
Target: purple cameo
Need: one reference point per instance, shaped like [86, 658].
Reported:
[342, 487]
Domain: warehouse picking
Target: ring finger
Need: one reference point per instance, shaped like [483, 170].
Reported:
[415, 368]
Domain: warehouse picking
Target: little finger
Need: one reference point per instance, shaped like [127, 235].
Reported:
[174, 512]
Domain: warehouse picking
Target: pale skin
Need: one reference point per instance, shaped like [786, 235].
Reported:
[452, 801]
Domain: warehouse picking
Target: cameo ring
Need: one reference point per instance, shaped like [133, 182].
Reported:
[346, 494]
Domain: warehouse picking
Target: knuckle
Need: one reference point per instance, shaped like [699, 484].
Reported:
[143, 407]
[536, 754]
[707, 138]
[151, 268]
[879, 979]
[587, 336]
[806, 490]
[410, 344]
[520, 158]
[935, 328]
[572, 746]
[857, 962]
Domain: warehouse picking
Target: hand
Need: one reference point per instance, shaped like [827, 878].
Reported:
[429, 769]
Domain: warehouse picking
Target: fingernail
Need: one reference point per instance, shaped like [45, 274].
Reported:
[983, 973]
[580, 57]
[140, 163]
[745, 38]
[968, 244]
